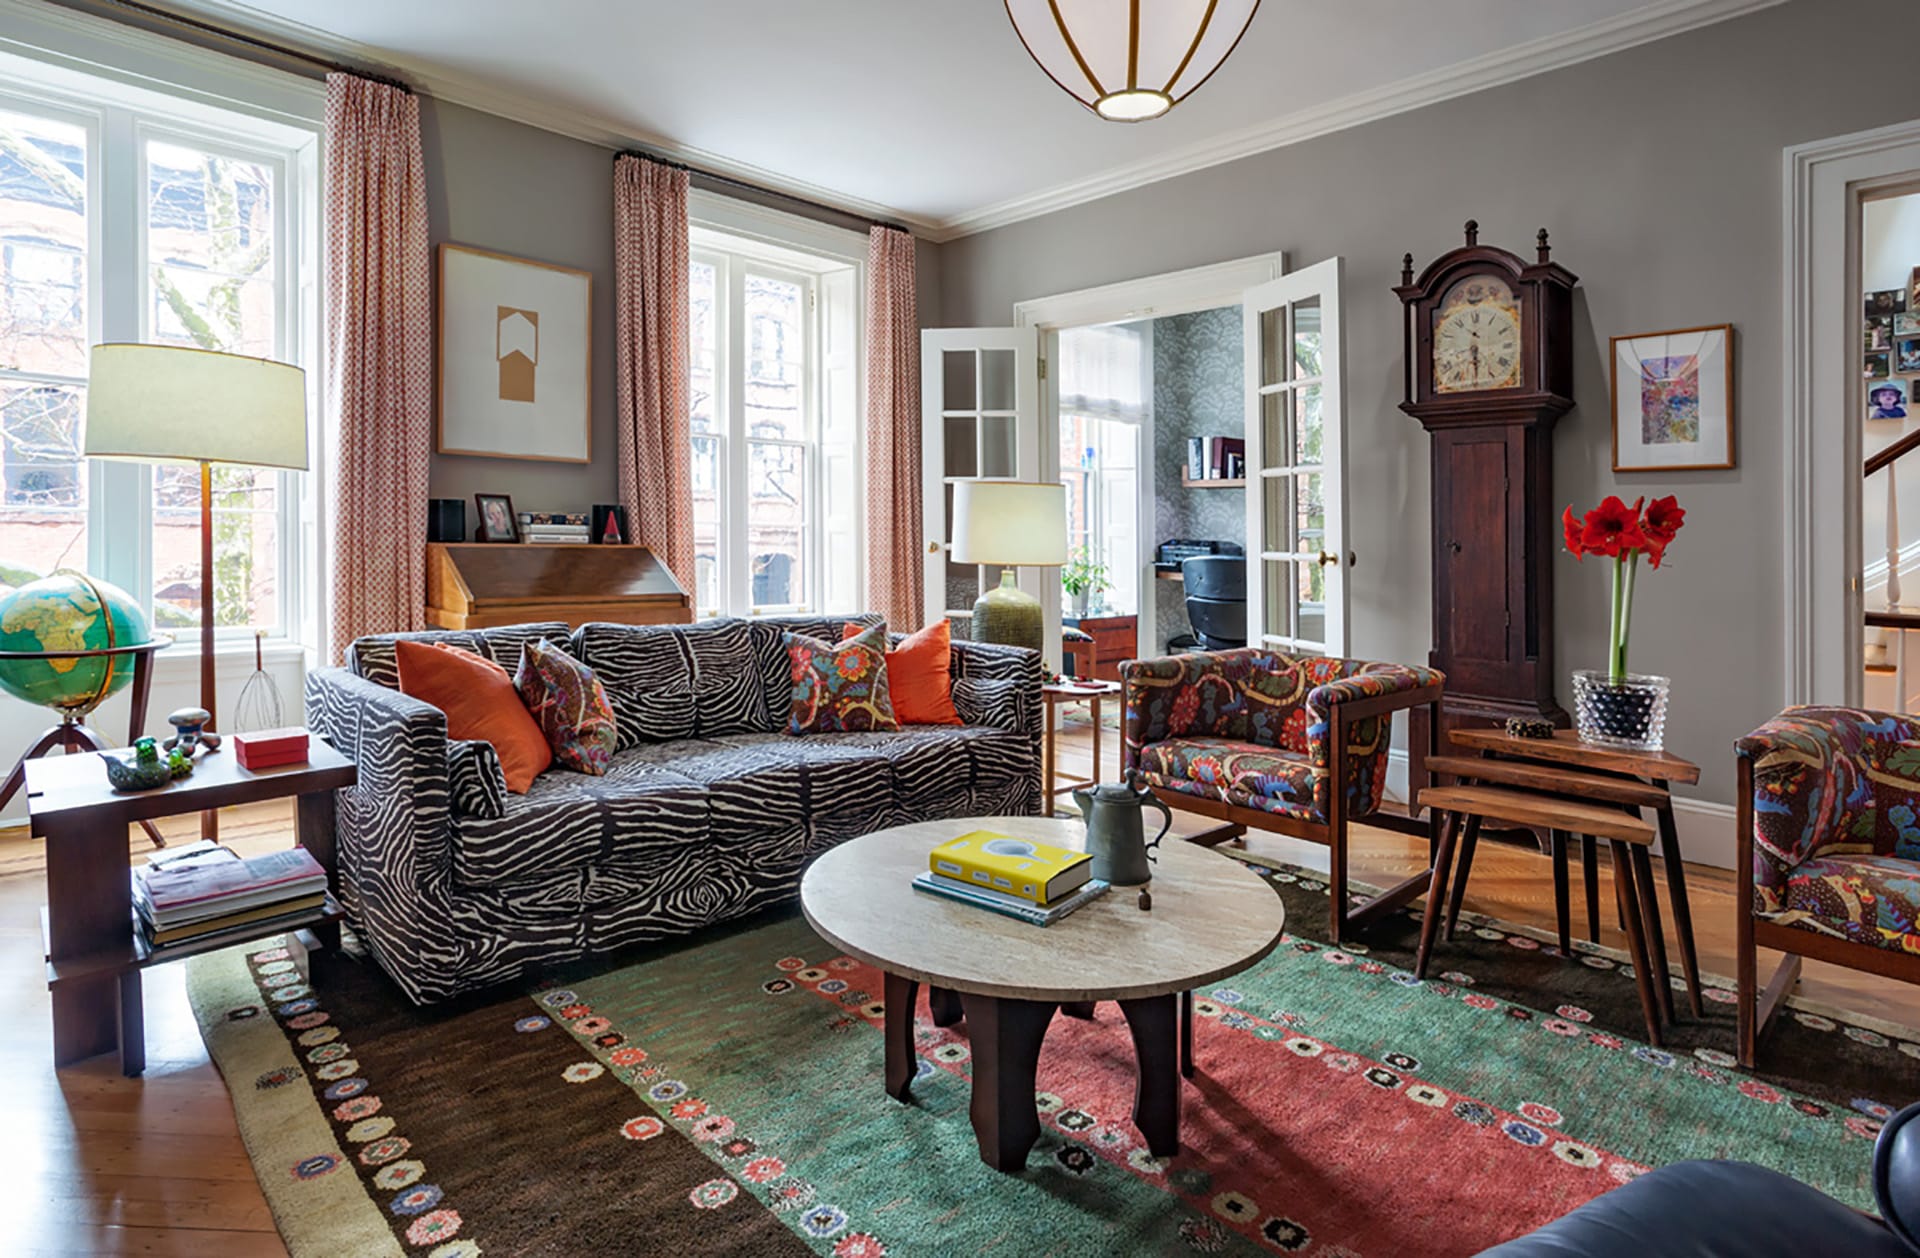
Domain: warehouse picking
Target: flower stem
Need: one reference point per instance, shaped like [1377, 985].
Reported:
[1624, 570]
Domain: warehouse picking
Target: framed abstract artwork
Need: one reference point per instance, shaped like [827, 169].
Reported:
[1673, 400]
[515, 357]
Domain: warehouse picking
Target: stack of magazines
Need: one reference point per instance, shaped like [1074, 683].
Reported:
[1017, 877]
[203, 888]
[555, 526]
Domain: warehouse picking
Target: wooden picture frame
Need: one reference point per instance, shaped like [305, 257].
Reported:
[1677, 410]
[513, 358]
[484, 530]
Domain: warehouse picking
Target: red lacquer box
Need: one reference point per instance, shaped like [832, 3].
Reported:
[271, 748]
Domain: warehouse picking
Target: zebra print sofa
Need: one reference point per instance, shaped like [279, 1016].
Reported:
[709, 811]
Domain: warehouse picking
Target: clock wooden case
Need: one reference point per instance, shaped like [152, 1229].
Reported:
[1489, 368]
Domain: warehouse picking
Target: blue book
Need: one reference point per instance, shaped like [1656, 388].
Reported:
[1010, 906]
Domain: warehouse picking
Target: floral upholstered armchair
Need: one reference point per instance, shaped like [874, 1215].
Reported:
[1829, 850]
[1254, 737]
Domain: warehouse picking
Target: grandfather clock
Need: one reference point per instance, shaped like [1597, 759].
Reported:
[1489, 368]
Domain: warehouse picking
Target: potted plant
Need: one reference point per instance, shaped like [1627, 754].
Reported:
[1083, 576]
[1618, 708]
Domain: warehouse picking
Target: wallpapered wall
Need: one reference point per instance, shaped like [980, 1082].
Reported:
[1197, 361]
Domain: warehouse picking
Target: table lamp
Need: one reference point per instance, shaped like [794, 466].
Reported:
[1011, 524]
[172, 404]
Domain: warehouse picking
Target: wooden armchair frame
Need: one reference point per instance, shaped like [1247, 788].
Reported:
[1332, 833]
[1752, 933]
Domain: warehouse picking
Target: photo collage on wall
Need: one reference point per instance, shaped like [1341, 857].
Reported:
[1892, 350]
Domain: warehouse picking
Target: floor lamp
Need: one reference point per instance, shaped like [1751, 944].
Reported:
[171, 404]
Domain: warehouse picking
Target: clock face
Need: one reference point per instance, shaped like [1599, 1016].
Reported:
[1476, 337]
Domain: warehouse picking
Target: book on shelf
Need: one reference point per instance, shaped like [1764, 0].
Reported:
[1008, 905]
[1196, 458]
[1036, 872]
[538, 519]
[210, 882]
[264, 916]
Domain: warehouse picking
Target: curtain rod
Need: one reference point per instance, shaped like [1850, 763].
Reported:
[759, 190]
[245, 40]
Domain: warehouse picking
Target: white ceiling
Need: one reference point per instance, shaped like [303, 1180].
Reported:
[931, 110]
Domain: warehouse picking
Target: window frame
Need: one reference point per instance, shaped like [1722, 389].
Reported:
[119, 121]
[734, 364]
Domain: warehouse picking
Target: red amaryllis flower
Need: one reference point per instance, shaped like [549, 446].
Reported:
[1613, 528]
[1662, 520]
[1570, 525]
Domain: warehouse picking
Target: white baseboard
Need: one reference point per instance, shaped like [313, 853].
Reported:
[1705, 828]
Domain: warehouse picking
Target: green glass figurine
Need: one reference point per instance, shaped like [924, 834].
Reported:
[141, 768]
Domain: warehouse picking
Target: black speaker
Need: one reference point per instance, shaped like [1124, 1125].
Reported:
[446, 519]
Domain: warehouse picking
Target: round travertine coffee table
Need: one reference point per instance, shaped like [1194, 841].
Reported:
[1211, 917]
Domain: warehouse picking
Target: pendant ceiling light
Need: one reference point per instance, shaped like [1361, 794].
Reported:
[1130, 60]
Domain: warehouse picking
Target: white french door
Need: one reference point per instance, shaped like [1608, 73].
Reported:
[1296, 463]
[979, 420]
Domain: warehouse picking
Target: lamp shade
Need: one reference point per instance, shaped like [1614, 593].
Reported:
[166, 404]
[1009, 523]
[1130, 60]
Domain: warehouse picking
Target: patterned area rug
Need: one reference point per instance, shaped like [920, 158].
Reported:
[725, 1097]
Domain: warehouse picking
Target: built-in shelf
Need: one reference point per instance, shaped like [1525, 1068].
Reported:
[1212, 484]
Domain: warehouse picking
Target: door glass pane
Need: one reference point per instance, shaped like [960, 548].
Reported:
[1310, 512]
[962, 446]
[1273, 358]
[996, 379]
[1276, 443]
[1307, 428]
[776, 515]
[1279, 596]
[997, 449]
[210, 280]
[773, 400]
[1278, 513]
[957, 380]
[1311, 611]
[1306, 339]
[963, 586]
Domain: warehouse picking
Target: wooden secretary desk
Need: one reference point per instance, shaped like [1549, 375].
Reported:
[1489, 369]
[482, 585]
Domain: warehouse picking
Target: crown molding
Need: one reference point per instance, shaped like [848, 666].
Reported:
[1641, 26]
[1653, 21]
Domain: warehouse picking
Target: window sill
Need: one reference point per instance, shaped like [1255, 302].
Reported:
[183, 657]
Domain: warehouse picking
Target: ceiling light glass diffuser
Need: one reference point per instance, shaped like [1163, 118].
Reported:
[1130, 60]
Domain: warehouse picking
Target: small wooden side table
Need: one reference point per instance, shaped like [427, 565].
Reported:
[94, 946]
[1051, 697]
[1615, 777]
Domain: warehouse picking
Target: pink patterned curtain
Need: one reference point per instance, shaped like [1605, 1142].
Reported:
[379, 381]
[650, 326]
[894, 564]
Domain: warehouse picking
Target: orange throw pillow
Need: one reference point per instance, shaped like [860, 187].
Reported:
[480, 702]
[920, 675]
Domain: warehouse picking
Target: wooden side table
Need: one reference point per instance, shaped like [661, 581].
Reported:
[1610, 775]
[1051, 697]
[94, 946]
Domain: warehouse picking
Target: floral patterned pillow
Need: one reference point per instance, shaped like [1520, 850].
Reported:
[839, 687]
[571, 708]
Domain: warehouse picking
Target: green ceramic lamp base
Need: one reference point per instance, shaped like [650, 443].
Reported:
[1009, 616]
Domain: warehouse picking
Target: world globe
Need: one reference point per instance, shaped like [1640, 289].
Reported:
[69, 612]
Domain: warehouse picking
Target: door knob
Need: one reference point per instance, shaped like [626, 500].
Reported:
[933, 548]
[1326, 559]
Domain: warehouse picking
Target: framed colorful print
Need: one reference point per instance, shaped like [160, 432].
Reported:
[516, 357]
[1673, 400]
[1879, 365]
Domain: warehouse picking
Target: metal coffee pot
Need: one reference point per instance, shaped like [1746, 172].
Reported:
[1116, 835]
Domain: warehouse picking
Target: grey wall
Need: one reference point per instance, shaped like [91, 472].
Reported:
[1658, 171]
[1197, 392]
[505, 186]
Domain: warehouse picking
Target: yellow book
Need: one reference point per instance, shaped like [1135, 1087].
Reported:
[1012, 866]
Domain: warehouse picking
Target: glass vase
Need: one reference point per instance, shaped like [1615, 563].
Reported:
[1631, 713]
